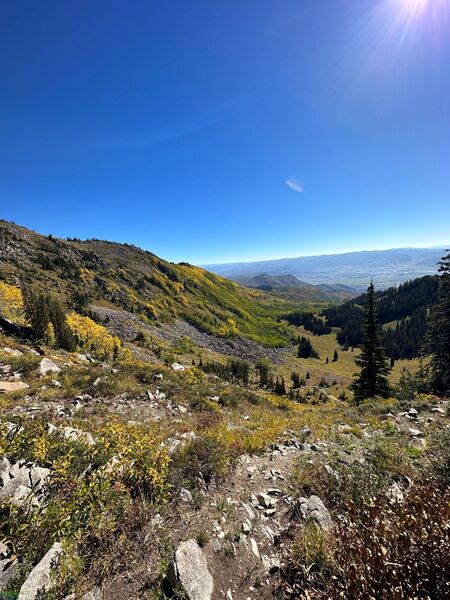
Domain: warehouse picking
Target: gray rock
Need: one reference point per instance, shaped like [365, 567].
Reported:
[312, 509]
[305, 432]
[177, 367]
[47, 366]
[415, 432]
[40, 578]
[9, 569]
[189, 570]
[265, 500]
[12, 352]
[77, 435]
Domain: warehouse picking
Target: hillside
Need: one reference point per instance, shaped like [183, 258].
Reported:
[124, 276]
[401, 310]
[147, 460]
[386, 267]
[290, 287]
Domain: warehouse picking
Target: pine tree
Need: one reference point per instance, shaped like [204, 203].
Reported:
[372, 380]
[305, 348]
[335, 356]
[263, 368]
[438, 339]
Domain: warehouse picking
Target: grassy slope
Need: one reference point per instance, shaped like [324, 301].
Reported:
[137, 280]
[342, 370]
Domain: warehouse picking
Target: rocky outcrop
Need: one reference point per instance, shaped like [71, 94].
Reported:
[40, 578]
[312, 509]
[189, 570]
[22, 482]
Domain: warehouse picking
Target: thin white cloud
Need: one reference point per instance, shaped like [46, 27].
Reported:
[294, 184]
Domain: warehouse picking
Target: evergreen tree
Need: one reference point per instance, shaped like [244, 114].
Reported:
[43, 310]
[335, 356]
[263, 368]
[296, 381]
[305, 348]
[372, 380]
[438, 339]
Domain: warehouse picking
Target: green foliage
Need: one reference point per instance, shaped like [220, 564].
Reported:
[47, 318]
[305, 348]
[310, 322]
[233, 370]
[200, 462]
[372, 380]
[438, 340]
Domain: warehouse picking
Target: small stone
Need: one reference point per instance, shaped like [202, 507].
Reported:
[265, 500]
[246, 527]
[254, 547]
[415, 432]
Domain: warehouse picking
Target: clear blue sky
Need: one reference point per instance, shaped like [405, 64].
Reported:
[190, 127]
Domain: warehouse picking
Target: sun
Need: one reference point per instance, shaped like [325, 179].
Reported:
[414, 6]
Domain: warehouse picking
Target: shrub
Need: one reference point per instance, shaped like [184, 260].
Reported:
[92, 337]
[390, 550]
[11, 303]
[202, 460]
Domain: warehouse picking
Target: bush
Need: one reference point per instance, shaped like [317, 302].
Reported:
[202, 460]
[439, 457]
[389, 550]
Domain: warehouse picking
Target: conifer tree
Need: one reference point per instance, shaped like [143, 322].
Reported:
[335, 356]
[438, 339]
[372, 379]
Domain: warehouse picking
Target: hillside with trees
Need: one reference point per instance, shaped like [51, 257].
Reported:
[402, 310]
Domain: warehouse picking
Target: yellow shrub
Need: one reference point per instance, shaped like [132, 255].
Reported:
[11, 302]
[86, 276]
[93, 337]
[228, 329]
[140, 458]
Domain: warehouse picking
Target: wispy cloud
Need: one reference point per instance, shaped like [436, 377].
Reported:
[294, 184]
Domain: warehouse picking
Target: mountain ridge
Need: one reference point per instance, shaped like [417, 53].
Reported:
[387, 267]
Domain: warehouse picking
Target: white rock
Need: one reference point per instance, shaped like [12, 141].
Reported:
[312, 509]
[12, 352]
[189, 570]
[254, 547]
[47, 366]
[40, 578]
[415, 432]
[177, 367]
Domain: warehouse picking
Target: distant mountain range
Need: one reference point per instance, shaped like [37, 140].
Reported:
[353, 269]
[295, 289]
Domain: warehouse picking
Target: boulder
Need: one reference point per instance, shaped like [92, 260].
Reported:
[40, 578]
[47, 366]
[189, 570]
[77, 435]
[312, 509]
[177, 367]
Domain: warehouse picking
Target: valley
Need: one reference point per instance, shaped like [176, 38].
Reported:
[163, 438]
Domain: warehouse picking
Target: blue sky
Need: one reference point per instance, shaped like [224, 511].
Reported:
[222, 131]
